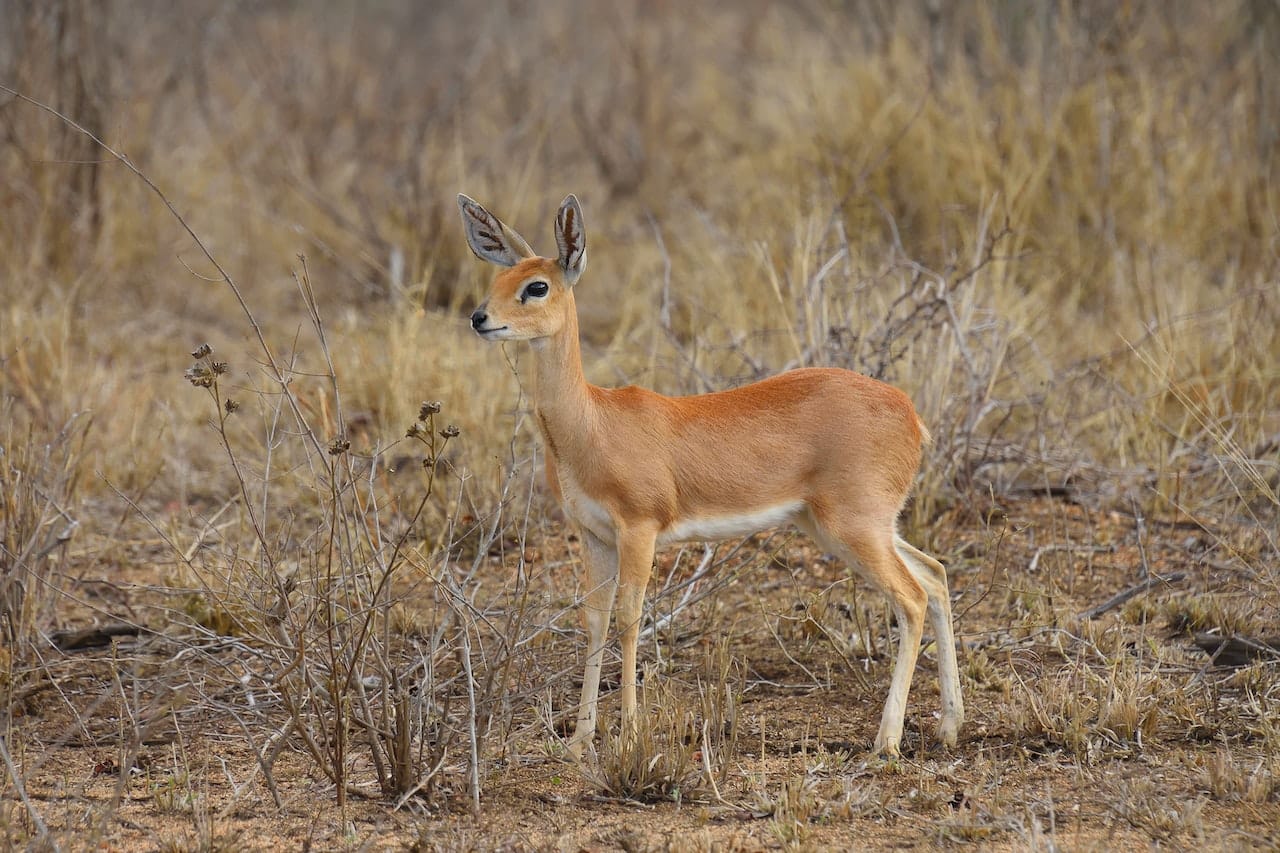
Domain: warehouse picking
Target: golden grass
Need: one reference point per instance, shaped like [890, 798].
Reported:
[758, 199]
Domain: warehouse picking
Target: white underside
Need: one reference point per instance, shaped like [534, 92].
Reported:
[595, 517]
[715, 527]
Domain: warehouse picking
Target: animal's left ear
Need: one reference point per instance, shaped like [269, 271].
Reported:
[488, 237]
[572, 240]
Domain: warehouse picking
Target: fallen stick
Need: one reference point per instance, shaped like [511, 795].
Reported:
[1236, 650]
[98, 636]
[1135, 590]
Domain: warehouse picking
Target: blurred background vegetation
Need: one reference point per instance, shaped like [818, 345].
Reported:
[1055, 223]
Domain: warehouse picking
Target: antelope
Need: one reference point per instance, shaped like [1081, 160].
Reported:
[829, 450]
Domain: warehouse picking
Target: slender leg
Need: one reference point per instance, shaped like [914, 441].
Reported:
[933, 577]
[635, 564]
[870, 547]
[910, 611]
[601, 572]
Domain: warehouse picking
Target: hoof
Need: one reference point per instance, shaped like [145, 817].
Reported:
[888, 750]
[578, 747]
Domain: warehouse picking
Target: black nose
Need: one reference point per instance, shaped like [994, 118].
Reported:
[478, 318]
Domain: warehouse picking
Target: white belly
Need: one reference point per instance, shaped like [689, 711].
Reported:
[595, 517]
[714, 527]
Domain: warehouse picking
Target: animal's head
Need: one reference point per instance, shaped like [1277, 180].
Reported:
[531, 297]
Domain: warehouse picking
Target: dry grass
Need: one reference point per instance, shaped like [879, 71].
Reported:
[1055, 225]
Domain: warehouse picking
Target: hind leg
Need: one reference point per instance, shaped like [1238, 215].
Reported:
[933, 577]
[869, 546]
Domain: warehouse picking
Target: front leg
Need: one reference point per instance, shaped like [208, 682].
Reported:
[635, 564]
[600, 563]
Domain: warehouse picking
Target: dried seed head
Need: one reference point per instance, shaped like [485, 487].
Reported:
[428, 409]
[200, 376]
[201, 351]
[414, 431]
[230, 405]
[220, 367]
[450, 431]
[339, 446]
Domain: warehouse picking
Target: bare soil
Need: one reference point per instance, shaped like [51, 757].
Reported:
[1021, 574]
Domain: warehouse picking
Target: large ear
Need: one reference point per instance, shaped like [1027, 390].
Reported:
[489, 238]
[572, 240]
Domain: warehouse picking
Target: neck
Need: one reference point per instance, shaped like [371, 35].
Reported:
[561, 396]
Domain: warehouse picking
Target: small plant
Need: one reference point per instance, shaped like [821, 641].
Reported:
[1129, 703]
[804, 800]
[970, 828]
[172, 793]
[679, 750]
[794, 808]
[1092, 711]
[658, 760]
[1189, 614]
[1227, 781]
[1145, 805]
[982, 672]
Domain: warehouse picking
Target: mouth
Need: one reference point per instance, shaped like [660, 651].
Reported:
[488, 333]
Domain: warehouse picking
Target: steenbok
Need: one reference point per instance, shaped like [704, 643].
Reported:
[831, 451]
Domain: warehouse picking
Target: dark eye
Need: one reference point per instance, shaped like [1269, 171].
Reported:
[535, 289]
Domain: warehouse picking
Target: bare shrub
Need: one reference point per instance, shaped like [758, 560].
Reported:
[318, 605]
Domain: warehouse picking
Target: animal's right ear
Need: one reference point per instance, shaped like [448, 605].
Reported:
[491, 240]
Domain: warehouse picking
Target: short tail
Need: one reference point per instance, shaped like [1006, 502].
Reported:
[926, 437]
[929, 561]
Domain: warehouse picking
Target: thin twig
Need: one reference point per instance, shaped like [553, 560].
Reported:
[21, 789]
[472, 740]
[690, 586]
[1065, 546]
[817, 682]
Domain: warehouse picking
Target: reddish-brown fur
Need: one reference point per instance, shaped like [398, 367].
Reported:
[831, 450]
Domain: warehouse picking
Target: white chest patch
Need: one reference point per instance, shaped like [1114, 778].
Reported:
[586, 510]
[714, 527]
